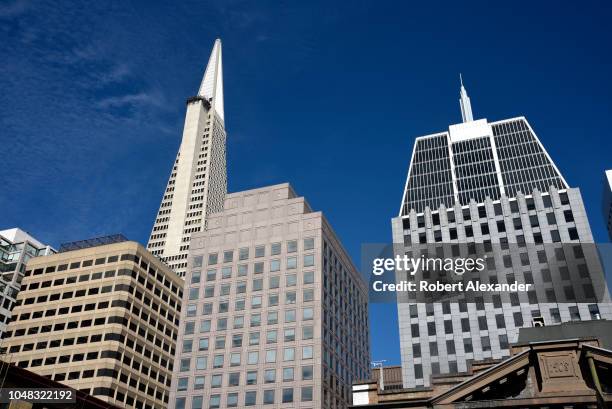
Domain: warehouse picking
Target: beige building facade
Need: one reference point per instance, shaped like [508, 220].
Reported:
[274, 311]
[102, 319]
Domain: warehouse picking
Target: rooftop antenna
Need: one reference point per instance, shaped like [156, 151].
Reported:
[464, 103]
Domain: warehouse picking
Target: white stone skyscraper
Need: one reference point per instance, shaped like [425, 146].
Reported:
[198, 180]
[492, 186]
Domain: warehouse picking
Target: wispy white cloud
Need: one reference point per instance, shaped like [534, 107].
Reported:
[153, 98]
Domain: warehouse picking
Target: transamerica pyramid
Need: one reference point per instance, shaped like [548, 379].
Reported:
[198, 180]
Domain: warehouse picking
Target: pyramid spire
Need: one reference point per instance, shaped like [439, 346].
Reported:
[211, 87]
[464, 103]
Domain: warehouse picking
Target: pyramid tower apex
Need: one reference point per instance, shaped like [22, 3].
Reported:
[211, 87]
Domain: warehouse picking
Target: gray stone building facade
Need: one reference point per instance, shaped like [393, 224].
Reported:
[274, 311]
[494, 184]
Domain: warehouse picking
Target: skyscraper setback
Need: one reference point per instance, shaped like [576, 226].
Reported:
[491, 183]
[274, 313]
[198, 180]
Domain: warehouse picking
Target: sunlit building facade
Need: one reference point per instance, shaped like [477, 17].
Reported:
[274, 312]
[198, 180]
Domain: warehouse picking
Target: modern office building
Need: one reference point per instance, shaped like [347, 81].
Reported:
[607, 201]
[274, 312]
[16, 248]
[198, 180]
[491, 183]
[100, 316]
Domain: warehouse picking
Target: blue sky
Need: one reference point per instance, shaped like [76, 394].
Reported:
[328, 97]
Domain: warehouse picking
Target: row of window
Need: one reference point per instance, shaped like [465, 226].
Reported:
[468, 231]
[149, 373]
[305, 373]
[250, 398]
[148, 284]
[291, 246]
[500, 224]
[142, 330]
[239, 305]
[158, 275]
[468, 346]
[483, 212]
[274, 265]
[252, 358]
[257, 284]
[289, 335]
[152, 331]
[272, 319]
[150, 314]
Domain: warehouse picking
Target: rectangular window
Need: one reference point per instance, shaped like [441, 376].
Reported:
[309, 260]
[309, 243]
[287, 395]
[291, 263]
[289, 354]
[271, 356]
[195, 277]
[486, 343]
[270, 376]
[273, 317]
[287, 374]
[243, 253]
[235, 359]
[243, 270]
[268, 396]
[306, 393]
[253, 358]
[292, 246]
[198, 382]
[232, 400]
[185, 364]
[275, 249]
[234, 379]
[201, 363]
[271, 336]
[250, 398]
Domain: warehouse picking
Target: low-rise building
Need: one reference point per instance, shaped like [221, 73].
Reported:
[100, 316]
[561, 366]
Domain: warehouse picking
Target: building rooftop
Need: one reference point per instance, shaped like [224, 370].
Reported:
[600, 329]
[94, 242]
